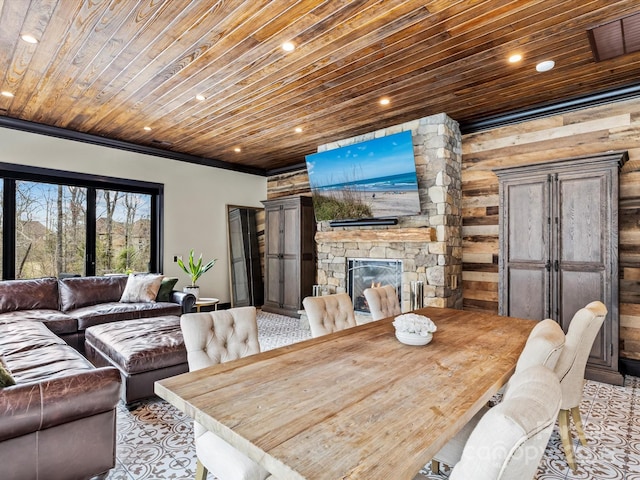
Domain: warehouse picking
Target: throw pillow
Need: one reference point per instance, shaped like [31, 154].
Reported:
[141, 288]
[6, 379]
[166, 287]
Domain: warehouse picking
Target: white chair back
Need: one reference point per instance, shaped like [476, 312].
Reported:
[211, 338]
[510, 439]
[583, 329]
[543, 347]
[329, 313]
[219, 336]
[382, 301]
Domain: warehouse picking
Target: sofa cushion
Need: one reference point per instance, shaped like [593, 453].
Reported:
[141, 288]
[38, 293]
[47, 362]
[116, 311]
[22, 336]
[141, 345]
[80, 292]
[32, 352]
[166, 287]
[55, 320]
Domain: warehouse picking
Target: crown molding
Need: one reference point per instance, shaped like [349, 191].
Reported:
[59, 132]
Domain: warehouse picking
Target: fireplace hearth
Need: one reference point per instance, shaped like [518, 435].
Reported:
[364, 273]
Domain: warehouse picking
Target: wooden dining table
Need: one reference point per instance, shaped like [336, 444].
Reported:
[355, 404]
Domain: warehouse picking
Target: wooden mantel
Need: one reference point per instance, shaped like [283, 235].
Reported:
[415, 234]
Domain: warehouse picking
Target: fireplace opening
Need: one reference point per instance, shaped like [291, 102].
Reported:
[364, 273]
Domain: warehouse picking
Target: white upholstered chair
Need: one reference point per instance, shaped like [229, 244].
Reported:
[383, 302]
[329, 313]
[211, 338]
[583, 329]
[543, 347]
[509, 440]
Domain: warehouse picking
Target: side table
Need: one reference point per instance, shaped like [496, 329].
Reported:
[206, 302]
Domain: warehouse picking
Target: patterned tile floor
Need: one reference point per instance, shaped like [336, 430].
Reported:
[155, 441]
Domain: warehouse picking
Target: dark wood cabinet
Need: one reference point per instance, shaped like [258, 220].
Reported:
[558, 246]
[290, 262]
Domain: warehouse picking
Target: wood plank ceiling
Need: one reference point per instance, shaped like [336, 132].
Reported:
[111, 68]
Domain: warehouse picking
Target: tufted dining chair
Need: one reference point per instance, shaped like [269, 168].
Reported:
[211, 338]
[383, 302]
[329, 313]
[582, 332]
[509, 440]
[543, 347]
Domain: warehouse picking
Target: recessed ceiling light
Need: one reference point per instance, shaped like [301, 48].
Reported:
[29, 38]
[288, 46]
[385, 101]
[6, 94]
[515, 58]
[545, 66]
[298, 129]
[200, 97]
[237, 150]
[148, 129]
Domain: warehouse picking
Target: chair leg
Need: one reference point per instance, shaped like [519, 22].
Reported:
[565, 435]
[435, 466]
[577, 421]
[201, 471]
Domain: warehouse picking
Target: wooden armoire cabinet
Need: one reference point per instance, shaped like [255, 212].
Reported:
[559, 244]
[290, 261]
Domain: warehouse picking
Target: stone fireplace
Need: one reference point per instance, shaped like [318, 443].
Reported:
[363, 273]
[428, 246]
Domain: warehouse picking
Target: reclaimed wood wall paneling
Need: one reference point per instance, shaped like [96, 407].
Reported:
[614, 126]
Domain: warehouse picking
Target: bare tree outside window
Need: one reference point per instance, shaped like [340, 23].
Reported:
[110, 201]
[50, 229]
[123, 232]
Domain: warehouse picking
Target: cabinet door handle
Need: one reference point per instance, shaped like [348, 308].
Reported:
[548, 265]
[556, 265]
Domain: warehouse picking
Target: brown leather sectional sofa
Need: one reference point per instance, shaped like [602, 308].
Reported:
[69, 306]
[58, 421]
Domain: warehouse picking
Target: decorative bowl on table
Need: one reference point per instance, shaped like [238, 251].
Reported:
[414, 329]
[413, 338]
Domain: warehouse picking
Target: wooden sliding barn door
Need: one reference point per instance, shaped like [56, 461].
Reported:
[558, 246]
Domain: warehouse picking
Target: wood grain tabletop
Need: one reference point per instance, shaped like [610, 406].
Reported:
[356, 404]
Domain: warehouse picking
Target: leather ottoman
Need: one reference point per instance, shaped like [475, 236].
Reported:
[144, 350]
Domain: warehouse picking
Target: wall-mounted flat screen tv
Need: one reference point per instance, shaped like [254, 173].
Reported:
[368, 180]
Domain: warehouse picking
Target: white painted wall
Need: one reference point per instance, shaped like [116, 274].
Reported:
[195, 196]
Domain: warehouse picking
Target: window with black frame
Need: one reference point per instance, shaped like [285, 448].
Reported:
[66, 224]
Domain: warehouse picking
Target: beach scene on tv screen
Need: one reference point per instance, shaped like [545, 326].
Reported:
[372, 179]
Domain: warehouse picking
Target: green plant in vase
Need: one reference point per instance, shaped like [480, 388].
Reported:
[195, 269]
